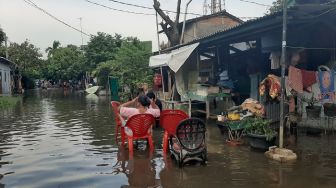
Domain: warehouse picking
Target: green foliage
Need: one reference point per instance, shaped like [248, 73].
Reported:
[131, 64]
[2, 36]
[103, 71]
[6, 102]
[27, 57]
[51, 50]
[276, 6]
[65, 63]
[259, 126]
[2, 51]
[102, 48]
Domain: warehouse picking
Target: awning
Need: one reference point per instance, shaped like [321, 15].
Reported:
[175, 59]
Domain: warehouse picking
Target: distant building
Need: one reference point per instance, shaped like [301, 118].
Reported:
[209, 24]
[6, 81]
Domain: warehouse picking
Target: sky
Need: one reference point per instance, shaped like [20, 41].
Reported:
[21, 21]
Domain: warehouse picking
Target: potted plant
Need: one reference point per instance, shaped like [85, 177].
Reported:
[329, 109]
[261, 135]
[312, 110]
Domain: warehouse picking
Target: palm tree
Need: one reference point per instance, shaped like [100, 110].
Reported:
[51, 50]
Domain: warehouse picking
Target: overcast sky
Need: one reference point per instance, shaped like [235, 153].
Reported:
[21, 21]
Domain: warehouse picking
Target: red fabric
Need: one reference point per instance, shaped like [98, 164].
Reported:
[295, 79]
[272, 83]
[308, 78]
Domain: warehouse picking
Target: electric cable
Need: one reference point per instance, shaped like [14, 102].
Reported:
[151, 8]
[31, 3]
[252, 2]
[119, 10]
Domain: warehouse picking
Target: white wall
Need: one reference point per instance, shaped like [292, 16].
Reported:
[5, 79]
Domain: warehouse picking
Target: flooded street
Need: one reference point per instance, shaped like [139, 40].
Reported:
[57, 140]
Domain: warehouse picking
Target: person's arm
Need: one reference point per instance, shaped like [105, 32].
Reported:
[129, 102]
[153, 105]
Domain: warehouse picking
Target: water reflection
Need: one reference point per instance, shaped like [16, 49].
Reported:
[139, 169]
[55, 140]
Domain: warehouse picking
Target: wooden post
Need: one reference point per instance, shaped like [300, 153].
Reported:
[207, 108]
[189, 110]
[163, 86]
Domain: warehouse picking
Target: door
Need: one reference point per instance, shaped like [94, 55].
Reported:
[114, 88]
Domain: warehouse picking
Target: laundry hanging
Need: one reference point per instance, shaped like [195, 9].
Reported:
[271, 84]
[308, 79]
[295, 79]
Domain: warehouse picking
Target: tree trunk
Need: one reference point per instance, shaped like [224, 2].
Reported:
[169, 27]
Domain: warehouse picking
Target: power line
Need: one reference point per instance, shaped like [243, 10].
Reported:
[151, 8]
[252, 2]
[134, 5]
[126, 11]
[31, 3]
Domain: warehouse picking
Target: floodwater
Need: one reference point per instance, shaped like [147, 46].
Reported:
[56, 139]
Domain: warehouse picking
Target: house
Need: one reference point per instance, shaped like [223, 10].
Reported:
[242, 53]
[205, 25]
[6, 80]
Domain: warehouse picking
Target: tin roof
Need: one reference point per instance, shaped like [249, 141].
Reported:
[7, 62]
[297, 13]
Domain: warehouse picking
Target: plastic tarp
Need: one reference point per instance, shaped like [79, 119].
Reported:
[175, 59]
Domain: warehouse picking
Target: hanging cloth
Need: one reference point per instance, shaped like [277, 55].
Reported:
[308, 79]
[272, 84]
[295, 79]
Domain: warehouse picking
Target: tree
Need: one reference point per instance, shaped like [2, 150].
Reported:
[170, 27]
[27, 57]
[276, 6]
[66, 63]
[130, 65]
[51, 50]
[101, 48]
[2, 36]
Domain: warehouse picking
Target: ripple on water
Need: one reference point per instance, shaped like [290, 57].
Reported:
[58, 141]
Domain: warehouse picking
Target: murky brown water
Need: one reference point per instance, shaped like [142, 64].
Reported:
[52, 140]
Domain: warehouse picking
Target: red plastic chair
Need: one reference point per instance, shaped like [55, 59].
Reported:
[141, 127]
[169, 120]
[115, 107]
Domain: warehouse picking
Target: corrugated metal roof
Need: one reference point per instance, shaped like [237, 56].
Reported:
[303, 11]
[6, 61]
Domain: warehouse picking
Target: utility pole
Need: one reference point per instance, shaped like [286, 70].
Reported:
[215, 6]
[157, 31]
[283, 69]
[80, 23]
